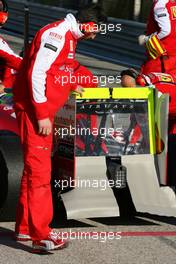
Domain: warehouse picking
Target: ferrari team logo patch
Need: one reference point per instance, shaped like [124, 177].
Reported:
[165, 78]
[173, 12]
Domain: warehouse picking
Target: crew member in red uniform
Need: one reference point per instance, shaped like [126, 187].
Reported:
[42, 87]
[9, 61]
[165, 83]
[160, 39]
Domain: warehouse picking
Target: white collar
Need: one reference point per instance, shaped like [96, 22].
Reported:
[74, 26]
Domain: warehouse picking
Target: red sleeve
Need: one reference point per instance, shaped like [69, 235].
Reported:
[85, 78]
[11, 61]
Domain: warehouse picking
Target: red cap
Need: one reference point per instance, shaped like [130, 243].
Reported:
[3, 17]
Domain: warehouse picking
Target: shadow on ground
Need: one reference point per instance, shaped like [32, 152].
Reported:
[7, 239]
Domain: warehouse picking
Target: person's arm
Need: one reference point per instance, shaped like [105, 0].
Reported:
[48, 52]
[163, 20]
[11, 60]
[85, 77]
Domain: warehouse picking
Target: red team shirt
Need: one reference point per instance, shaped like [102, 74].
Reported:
[162, 22]
[41, 87]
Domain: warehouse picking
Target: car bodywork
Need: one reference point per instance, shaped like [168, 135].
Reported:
[83, 158]
[138, 118]
[7, 115]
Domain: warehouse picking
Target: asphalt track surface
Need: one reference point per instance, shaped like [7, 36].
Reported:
[143, 239]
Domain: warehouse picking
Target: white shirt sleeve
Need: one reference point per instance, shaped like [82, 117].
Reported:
[162, 18]
[48, 52]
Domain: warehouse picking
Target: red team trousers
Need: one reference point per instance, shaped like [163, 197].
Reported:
[35, 184]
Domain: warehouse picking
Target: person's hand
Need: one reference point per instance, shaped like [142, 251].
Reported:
[1, 88]
[79, 90]
[142, 39]
[45, 127]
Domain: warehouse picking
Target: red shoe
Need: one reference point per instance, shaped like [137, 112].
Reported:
[52, 242]
[22, 237]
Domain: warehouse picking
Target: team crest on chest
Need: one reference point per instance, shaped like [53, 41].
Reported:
[173, 12]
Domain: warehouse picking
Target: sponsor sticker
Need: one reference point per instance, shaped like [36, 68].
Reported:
[51, 47]
[162, 15]
[55, 36]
